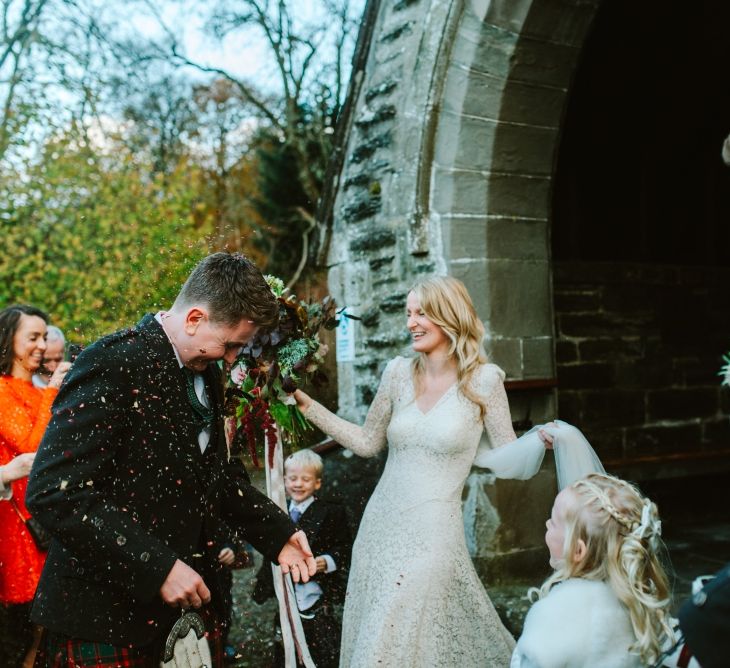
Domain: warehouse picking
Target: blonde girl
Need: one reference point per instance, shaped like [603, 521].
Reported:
[607, 603]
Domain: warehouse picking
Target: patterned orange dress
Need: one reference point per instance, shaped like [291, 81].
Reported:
[24, 414]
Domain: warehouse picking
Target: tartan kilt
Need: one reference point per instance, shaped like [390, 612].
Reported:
[62, 652]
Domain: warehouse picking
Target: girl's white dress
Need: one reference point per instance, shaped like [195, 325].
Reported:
[579, 624]
[414, 599]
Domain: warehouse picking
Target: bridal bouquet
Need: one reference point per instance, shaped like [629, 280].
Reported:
[270, 367]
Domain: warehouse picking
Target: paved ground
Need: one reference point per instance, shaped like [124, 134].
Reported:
[696, 521]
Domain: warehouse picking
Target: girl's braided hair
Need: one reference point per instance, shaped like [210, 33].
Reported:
[622, 534]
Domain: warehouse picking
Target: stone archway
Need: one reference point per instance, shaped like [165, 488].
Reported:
[503, 98]
[448, 169]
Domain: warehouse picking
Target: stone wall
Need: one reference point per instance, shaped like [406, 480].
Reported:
[638, 353]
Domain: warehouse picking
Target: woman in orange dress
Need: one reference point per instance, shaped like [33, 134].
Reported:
[24, 413]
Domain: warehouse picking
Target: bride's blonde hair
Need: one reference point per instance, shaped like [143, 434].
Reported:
[622, 534]
[446, 302]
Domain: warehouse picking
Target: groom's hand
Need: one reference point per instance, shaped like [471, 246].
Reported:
[184, 588]
[296, 558]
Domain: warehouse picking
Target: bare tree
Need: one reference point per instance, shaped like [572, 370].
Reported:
[309, 59]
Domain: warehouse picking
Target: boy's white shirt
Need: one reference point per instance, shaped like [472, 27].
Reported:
[579, 624]
[308, 593]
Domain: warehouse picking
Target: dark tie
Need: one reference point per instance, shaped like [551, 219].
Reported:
[203, 414]
[295, 514]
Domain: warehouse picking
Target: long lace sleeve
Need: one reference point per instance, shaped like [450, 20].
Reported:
[370, 438]
[505, 454]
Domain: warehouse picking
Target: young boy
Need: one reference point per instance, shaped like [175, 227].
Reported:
[329, 537]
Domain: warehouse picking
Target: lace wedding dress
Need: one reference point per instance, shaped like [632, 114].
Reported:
[413, 597]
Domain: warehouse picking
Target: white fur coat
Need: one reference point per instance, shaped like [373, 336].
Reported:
[579, 624]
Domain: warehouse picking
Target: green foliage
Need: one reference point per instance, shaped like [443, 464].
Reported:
[91, 238]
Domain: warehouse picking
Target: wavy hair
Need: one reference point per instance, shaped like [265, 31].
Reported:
[446, 303]
[622, 534]
[9, 323]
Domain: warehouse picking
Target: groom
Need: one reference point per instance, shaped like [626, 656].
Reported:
[132, 476]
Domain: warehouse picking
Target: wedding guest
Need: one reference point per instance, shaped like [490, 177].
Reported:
[52, 357]
[326, 526]
[24, 414]
[133, 473]
[607, 603]
[413, 596]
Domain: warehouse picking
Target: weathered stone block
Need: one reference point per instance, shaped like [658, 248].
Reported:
[404, 4]
[518, 195]
[361, 208]
[394, 303]
[544, 63]
[570, 406]
[471, 93]
[484, 48]
[566, 352]
[378, 263]
[467, 237]
[531, 103]
[381, 90]
[538, 358]
[459, 192]
[517, 239]
[716, 433]
[607, 441]
[463, 142]
[519, 299]
[613, 407]
[611, 349]
[561, 21]
[645, 441]
[473, 273]
[373, 239]
[602, 324]
[396, 33]
[507, 354]
[573, 301]
[682, 404]
[368, 147]
[523, 149]
[648, 372]
[369, 117]
[370, 317]
[581, 375]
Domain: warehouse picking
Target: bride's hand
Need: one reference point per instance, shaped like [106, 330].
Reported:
[304, 401]
[546, 438]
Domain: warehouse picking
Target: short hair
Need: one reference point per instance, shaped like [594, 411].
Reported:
[55, 334]
[306, 458]
[234, 289]
[9, 321]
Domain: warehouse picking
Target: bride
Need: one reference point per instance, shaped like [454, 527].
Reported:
[413, 597]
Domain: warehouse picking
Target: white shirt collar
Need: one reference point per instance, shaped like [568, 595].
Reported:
[158, 317]
[301, 507]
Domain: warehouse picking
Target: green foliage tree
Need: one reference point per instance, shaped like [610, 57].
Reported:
[95, 240]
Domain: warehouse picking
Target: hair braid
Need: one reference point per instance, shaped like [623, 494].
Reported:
[622, 534]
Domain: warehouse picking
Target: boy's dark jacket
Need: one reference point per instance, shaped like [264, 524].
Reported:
[328, 532]
[121, 483]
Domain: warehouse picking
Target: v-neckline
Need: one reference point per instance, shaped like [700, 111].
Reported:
[436, 403]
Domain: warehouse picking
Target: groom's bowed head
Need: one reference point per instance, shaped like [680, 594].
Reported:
[222, 305]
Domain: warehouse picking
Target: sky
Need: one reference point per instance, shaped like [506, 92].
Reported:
[250, 60]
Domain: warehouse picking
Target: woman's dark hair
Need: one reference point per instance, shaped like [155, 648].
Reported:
[9, 320]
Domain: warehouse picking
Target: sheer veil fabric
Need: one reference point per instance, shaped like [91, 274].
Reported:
[521, 458]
